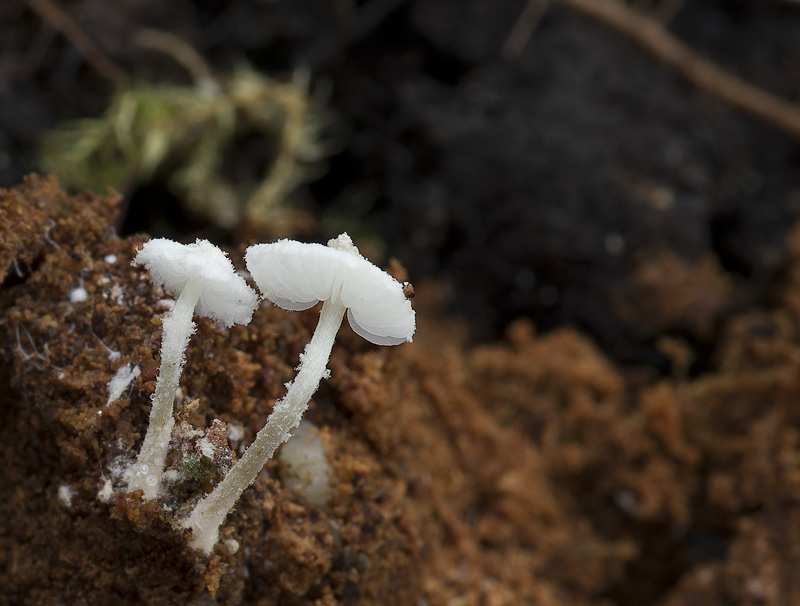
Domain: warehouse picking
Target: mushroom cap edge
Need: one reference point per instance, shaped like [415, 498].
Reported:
[226, 297]
[295, 276]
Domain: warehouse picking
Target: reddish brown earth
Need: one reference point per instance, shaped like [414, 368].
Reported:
[530, 471]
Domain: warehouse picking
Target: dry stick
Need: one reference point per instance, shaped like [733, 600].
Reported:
[703, 73]
[60, 21]
[523, 28]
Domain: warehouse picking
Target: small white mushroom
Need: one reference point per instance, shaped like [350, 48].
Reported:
[205, 279]
[296, 276]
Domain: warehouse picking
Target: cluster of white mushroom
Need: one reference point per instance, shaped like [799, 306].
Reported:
[294, 276]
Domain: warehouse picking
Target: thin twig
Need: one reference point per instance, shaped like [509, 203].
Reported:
[61, 22]
[701, 72]
[523, 28]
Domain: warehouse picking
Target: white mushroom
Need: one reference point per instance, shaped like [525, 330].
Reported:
[205, 279]
[296, 276]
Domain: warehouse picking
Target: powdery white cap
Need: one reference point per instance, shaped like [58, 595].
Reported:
[296, 276]
[226, 297]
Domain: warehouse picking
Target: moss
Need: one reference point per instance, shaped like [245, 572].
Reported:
[184, 133]
[196, 467]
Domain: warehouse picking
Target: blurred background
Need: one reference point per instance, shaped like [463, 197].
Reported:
[533, 158]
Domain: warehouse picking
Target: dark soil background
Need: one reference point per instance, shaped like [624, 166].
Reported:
[535, 186]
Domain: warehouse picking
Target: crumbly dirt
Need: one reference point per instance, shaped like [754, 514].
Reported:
[530, 471]
[62, 540]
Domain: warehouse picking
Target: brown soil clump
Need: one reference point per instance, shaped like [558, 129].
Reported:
[667, 293]
[71, 534]
[528, 472]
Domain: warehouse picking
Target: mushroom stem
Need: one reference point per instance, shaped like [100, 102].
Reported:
[176, 329]
[209, 514]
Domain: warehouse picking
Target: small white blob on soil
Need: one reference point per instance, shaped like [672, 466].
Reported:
[120, 381]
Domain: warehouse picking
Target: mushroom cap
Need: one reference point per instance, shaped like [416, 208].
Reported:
[226, 298]
[296, 276]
